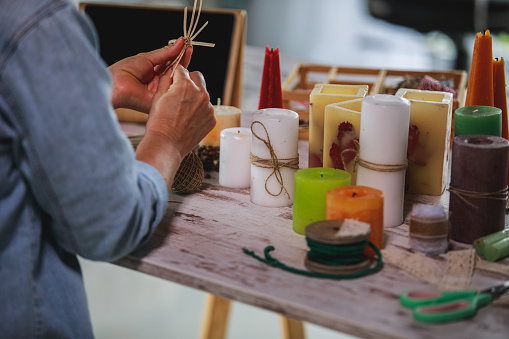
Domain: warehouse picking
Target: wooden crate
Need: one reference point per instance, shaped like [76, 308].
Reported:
[301, 80]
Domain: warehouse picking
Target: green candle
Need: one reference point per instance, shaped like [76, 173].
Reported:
[311, 186]
[478, 120]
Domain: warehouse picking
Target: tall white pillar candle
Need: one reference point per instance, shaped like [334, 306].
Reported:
[234, 164]
[383, 142]
[275, 130]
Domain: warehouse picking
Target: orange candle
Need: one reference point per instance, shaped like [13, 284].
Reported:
[361, 203]
[500, 96]
[472, 70]
[480, 87]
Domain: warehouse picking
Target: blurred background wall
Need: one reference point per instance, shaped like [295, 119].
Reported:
[393, 34]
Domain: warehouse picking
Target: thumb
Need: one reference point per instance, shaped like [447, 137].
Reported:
[180, 73]
[163, 55]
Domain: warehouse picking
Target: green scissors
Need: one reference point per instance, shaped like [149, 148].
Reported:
[440, 307]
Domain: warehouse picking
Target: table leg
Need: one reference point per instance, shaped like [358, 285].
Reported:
[292, 329]
[215, 317]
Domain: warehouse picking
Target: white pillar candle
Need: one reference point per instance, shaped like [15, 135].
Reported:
[234, 164]
[271, 187]
[383, 142]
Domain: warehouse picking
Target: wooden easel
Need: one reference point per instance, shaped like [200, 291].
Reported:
[215, 320]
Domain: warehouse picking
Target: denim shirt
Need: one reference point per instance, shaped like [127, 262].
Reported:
[69, 182]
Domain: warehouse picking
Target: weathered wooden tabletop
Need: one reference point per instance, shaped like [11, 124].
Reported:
[199, 244]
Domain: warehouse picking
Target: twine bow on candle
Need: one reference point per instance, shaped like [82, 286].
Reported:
[273, 163]
[189, 34]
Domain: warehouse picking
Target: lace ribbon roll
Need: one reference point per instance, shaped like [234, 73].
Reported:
[478, 189]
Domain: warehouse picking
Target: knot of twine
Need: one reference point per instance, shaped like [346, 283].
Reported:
[273, 163]
[502, 195]
[358, 161]
[189, 34]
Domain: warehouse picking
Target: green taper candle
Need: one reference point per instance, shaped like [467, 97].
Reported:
[311, 186]
[478, 120]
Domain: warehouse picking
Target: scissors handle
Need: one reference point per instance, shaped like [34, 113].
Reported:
[451, 311]
[417, 298]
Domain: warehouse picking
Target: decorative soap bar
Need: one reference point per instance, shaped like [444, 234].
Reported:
[428, 160]
[321, 96]
[341, 134]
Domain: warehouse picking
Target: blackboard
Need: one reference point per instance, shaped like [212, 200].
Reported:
[126, 30]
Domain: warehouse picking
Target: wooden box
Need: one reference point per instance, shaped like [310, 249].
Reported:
[301, 80]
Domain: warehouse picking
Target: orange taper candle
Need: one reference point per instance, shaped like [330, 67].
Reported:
[361, 203]
[472, 70]
[500, 96]
[480, 87]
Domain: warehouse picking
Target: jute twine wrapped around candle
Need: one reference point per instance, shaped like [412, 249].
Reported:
[429, 229]
[358, 161]
[273, 162]
[466, 195]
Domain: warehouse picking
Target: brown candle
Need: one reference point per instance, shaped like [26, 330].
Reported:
[478, 186]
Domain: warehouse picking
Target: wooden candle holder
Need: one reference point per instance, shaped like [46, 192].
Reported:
[301, 80]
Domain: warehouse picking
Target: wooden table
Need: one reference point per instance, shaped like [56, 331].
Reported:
[199, 244]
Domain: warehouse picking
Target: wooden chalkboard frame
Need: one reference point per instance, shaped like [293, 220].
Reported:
[110, 18]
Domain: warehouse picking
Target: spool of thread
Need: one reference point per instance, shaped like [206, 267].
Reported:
[478, 186]
[429, 229]
[336, 251]
[337, 246]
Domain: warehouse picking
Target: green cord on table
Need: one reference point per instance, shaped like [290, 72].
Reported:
[318, 249]
[334, 255]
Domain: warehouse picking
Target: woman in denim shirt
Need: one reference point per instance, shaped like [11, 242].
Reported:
[70, 183]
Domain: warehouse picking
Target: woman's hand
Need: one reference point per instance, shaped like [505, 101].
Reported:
[180, 117]
[135, 79]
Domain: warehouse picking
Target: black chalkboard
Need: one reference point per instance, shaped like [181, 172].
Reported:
[127, 30]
